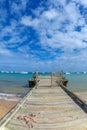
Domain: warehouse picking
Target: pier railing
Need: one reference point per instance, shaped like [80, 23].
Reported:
[54, 79]
[57, 79]
[75, 97]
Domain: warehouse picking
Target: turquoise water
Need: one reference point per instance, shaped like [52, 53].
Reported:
[77, 82]
[14, 82]
[13, 85]
[17, 83]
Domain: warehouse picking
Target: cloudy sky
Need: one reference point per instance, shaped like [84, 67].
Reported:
[43, 35]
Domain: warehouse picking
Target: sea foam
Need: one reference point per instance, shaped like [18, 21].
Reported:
[10, 97]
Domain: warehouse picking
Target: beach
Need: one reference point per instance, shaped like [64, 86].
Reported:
[13, 87]
[6, 106]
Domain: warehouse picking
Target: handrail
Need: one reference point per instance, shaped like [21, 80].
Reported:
[73, 95]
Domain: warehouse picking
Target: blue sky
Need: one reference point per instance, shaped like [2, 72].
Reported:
[43, 35]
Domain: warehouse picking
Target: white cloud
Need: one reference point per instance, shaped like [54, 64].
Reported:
[4, 51]
[51, 35]
[69, 39]
[57, 27]
[83, 2]
[28, 21]
[72, 12]
[50, 14]
[17, 7]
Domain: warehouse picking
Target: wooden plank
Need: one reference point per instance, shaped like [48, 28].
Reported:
[54, 110]
[75, 96]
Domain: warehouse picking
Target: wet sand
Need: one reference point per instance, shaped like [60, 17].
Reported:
[6, 106]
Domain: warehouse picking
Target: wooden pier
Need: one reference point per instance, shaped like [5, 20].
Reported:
[47, 107]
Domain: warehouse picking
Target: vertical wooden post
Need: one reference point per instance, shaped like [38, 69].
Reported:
[36, 79]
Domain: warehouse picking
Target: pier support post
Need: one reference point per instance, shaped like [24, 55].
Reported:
[36, 79]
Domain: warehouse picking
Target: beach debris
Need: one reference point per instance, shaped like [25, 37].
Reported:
[28, 119]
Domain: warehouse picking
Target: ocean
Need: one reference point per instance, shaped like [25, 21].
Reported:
[14, 85]
[77, 81]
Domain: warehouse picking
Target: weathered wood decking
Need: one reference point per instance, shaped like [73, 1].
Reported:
[49, 108]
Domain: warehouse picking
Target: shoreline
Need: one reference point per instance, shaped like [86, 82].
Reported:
[11, 96]
[6, 106]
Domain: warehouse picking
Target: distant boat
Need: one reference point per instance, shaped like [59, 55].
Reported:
[23, 72]
[84, 72]
[11, 72]
[67, 73]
